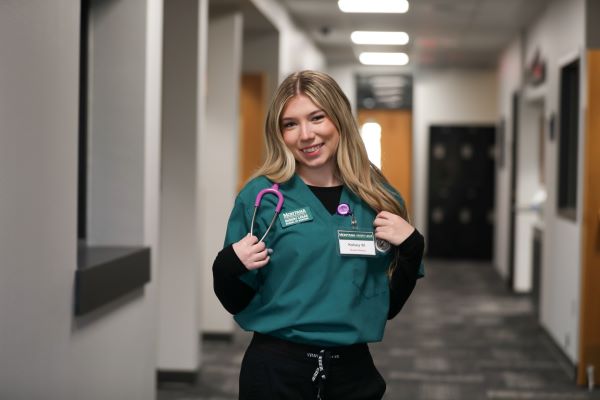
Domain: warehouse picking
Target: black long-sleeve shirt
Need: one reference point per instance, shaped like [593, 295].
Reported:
[235, 295]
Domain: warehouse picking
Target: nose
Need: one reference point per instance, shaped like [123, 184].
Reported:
[306, 132]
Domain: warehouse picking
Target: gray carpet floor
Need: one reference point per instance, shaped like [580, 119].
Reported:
[461, 336]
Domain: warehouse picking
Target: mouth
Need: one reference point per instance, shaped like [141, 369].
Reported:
[312, 149]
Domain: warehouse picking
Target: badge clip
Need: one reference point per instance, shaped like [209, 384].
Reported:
[344, 210]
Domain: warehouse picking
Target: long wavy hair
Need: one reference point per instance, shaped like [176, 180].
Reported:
[354, 169]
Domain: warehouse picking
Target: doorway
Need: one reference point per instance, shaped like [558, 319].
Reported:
[528, 195]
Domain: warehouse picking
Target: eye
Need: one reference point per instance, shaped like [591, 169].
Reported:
[318, 117]
[288, 124]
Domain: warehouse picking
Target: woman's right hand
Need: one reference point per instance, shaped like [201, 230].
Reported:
[252, 253]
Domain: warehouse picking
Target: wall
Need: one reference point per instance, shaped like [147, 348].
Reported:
[446, 97]
[219, 147]
[261, 54]
[559, 36]
[44, 352]
[115, 122]
[345, 76]
[509, 81]
[528, 186]
[296, 50]
[178, 344]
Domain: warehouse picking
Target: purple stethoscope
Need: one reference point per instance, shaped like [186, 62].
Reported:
[272, 190]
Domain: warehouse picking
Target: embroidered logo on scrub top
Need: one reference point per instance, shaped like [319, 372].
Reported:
[294, 217]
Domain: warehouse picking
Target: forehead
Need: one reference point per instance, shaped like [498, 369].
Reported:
[299, 105]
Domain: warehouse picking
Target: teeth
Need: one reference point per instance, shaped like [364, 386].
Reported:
[311, 149]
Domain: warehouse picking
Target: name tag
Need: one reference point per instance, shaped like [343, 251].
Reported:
[356, 243]
[294, 217]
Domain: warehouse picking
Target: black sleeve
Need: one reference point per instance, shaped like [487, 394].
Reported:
[231, 291]
[404, 278]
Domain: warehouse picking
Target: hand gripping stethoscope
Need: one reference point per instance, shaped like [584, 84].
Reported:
[272, 190]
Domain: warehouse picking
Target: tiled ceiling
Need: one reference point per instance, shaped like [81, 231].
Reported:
[443, 33]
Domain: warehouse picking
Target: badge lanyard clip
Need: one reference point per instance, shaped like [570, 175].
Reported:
[344, 210]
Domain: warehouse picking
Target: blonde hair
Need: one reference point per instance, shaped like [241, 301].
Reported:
[354, 169]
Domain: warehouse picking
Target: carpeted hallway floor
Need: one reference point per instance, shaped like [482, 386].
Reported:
[461, 336]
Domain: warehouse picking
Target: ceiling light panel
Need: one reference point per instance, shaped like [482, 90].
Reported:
[373, 6]
[371, 37]
[368, 58]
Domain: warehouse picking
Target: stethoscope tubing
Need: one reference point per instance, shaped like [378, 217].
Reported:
[272, 190]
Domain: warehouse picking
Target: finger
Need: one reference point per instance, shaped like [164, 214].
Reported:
[382, 229]
[382, 235]
[384, 214]
[260, 264]
[260, 246]
[260, 256]
[380, 222]
[250, 239]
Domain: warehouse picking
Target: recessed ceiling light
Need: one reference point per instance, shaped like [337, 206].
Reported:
[366, 37]
[368, 58]
[373, 6]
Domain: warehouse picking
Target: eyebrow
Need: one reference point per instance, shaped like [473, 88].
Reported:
[309, 115]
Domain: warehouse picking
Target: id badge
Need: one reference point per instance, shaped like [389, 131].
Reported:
[356, 242]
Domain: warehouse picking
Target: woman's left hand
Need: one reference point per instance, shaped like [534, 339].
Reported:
[392, 227]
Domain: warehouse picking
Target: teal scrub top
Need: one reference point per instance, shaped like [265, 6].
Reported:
[308, 292]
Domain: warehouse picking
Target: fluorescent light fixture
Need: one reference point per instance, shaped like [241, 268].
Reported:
[366, 37]
[368, 58]
[373, 6]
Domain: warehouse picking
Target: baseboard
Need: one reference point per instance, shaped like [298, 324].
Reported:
[166, 376]
[564, 361]
[218, 337]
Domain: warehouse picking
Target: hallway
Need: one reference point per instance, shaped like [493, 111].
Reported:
[462, 336]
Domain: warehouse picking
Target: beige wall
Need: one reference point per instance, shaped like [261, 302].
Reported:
[45, 353]
[559, 35]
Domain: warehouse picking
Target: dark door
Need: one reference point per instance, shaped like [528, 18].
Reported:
[461, 192]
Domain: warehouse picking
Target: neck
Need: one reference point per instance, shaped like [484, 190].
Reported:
[318, 177]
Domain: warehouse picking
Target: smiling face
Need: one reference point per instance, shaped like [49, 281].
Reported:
[311, 136]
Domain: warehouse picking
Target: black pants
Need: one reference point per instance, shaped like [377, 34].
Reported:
[275, 369]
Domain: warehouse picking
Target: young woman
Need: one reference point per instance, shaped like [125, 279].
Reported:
[339, 260]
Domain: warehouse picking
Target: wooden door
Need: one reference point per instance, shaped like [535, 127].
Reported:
[252, 116]
[589, 338]
[396, 147]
